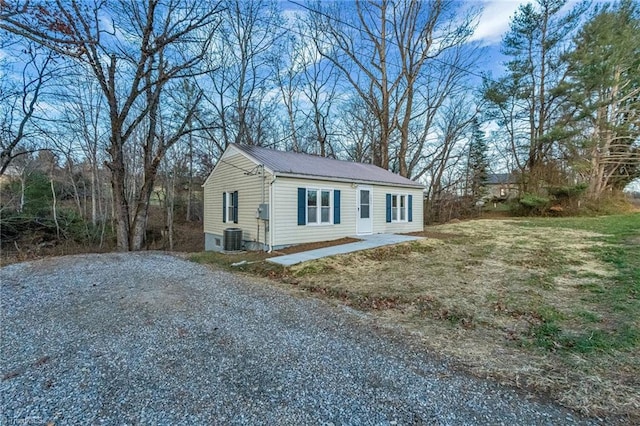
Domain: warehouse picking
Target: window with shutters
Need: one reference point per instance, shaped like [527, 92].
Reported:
[319, 206]
[399, 208]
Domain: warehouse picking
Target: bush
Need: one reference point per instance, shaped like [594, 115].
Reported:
[28, 228]
[449, 206]
[37, 194]
[532, 204]
[20, 226]
[568, 192]
[610, 203]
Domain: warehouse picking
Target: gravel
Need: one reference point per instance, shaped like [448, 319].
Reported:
[147, 338]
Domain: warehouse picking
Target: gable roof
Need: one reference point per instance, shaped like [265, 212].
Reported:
[500, 179]
[286, 163]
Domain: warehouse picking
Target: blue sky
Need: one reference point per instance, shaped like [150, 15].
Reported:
[493, 23]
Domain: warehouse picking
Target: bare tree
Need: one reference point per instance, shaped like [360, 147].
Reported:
[241, 72]
[320, 91]
[85, 121]
[307, 85]
[453, 131]
[358, 132]
[287, 71]
[439, 93]
[134, 59]
[19, 100]
[384, 53]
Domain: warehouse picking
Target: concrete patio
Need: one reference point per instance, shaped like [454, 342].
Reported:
[367, 242]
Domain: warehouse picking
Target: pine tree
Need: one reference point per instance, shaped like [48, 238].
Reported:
[478, 163]
[525, 102]
[604, 98]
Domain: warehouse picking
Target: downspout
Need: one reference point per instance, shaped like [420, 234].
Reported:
[265, 222]
[263, 181]
[271, 208]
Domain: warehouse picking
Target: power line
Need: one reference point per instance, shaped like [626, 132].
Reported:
[333, 18]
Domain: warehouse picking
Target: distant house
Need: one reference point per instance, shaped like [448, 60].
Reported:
[280, 199]
[501, 186]
[10, 174]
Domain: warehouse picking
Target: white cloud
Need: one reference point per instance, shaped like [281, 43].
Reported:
[494, 21]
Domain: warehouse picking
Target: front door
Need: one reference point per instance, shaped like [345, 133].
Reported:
[364, 213]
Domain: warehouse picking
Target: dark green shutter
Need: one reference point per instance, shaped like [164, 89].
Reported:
[336, 206]
[388, 208]
[235, 207]
[224, 207]
[302, 205]
[410, 215]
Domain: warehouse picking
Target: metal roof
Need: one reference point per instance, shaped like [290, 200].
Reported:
[313, 166]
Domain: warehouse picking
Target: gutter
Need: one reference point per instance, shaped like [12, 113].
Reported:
[347, 180]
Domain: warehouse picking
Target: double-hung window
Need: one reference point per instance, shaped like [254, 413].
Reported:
[319, 206]
[230, 207]
[398, 208]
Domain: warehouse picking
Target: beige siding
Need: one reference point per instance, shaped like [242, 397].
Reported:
[285, 217]
[380, 225]
[285, 220]
[235, 172]
[228, 176]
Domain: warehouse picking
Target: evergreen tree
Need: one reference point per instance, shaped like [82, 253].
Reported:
[478, 163]
[603, 110]
[525, 101]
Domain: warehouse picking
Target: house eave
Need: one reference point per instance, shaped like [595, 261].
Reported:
[229, 149]
[345, 180]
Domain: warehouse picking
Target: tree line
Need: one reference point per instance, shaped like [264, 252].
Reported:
[132, 96]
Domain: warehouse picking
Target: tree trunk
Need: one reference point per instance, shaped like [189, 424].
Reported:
[121, 208]
[171, 191]
[138, 231]
[190, 182]
[23, 179]
[54, 209]
[94, 195]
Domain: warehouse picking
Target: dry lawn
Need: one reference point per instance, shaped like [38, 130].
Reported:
[518, 303]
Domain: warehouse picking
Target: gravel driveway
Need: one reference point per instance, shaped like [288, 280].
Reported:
[148, 338]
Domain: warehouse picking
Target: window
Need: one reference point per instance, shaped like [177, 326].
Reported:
[325, 207]
[319, 206]
[365, 204]
[312, 206]
[230, 207]
[394, 208]
[398, 208]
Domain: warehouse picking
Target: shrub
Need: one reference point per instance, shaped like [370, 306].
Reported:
[532, 204]
[609, 203]
[567, 192]
[29, 228]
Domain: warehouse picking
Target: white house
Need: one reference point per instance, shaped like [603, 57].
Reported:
[280, 199]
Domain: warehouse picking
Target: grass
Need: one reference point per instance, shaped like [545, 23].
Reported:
[617, 245]
[245, 262]
[547, 304]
